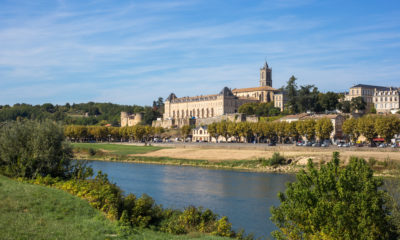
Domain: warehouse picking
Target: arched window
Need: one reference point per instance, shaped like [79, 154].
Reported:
[212, 112]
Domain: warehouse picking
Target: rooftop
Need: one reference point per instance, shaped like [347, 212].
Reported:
[264, 88]
[369, 86]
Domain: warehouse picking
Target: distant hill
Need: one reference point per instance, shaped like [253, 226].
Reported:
[90, 113]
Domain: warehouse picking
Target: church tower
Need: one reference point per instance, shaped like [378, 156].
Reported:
[266, 76]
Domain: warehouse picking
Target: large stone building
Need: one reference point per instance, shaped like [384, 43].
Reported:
[206, 106]
[366, 92]
[130, 119]
[179, 111]
[387, 101]
[263, 93]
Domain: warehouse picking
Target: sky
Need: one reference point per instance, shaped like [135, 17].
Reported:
[132, 52]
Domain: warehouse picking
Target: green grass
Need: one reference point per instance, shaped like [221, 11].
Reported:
[116, 149]
[37, 212]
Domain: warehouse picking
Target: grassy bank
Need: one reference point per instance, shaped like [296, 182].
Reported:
[115, 149]
[116, 152]
[36, 212]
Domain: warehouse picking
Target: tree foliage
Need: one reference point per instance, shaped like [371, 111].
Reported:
[79, 114]
[30, 149]
[334, 203]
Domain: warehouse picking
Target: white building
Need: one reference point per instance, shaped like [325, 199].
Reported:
[387, 101]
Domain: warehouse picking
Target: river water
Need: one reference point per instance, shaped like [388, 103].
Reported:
[245, 197]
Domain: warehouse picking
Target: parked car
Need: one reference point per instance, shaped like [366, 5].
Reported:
[308, 144]
[272, 144]
[382, 145]
[316, 145]
[325, 145]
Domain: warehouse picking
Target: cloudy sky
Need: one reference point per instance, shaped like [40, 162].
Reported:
[132, 52]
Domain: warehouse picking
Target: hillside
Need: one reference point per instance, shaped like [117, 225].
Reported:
[37, 212]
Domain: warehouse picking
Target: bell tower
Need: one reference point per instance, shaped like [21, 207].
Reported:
[266, 75]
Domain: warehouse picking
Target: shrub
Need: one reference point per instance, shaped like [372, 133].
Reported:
[30, 149]
[334, 203]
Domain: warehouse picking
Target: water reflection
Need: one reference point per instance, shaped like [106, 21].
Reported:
[244, 197]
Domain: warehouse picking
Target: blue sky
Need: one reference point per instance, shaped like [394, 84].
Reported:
[132, 52]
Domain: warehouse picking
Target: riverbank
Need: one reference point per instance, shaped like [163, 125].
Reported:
[31, 212]
[250, 157]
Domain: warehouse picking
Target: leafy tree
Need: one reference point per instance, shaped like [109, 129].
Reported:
[212, 130]
[307, 99]
[387, 127]
[366, 126]
[223, 129]
[350, 128]
[244, 130]
[334, 203]
[329, 101]
[292, 130]
[186, 131]
[291, 89]
[323, 128]
[30, 149]
[358, 103]
[309, 129]
[345, 106]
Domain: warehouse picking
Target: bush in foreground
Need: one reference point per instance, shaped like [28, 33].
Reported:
[30, 149]
[334, 203]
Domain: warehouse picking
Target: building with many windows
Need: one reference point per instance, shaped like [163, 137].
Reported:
[366, 92]
[387, 101]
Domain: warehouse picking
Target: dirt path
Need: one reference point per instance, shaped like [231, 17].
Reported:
[248, 154]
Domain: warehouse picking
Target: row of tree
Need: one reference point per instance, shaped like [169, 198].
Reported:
[81, 133]
[372, 126]
[273, 131]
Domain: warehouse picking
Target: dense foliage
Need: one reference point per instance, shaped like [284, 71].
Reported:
[133, 212]
[372, 126]
[30, 149]
[259, 109]
[80, 114]
[35, 152]
[308, 98]
[334, 203]
[273, 131]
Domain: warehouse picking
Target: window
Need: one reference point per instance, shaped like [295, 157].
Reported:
[201, 132]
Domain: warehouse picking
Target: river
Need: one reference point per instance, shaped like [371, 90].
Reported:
[245, 197]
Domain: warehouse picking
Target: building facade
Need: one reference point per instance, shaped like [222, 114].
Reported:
[366, 92]
[387, 101]
[178, 110]
[280, 100]
[200, 134]
[128, 120]
[206, 106]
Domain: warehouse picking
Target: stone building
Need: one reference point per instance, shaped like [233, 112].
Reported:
[366, 92]
[387, 101]
[280, 100]
[178, 111]
[199, 107]
[200, 134]
[130, 119]
[263, 93]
